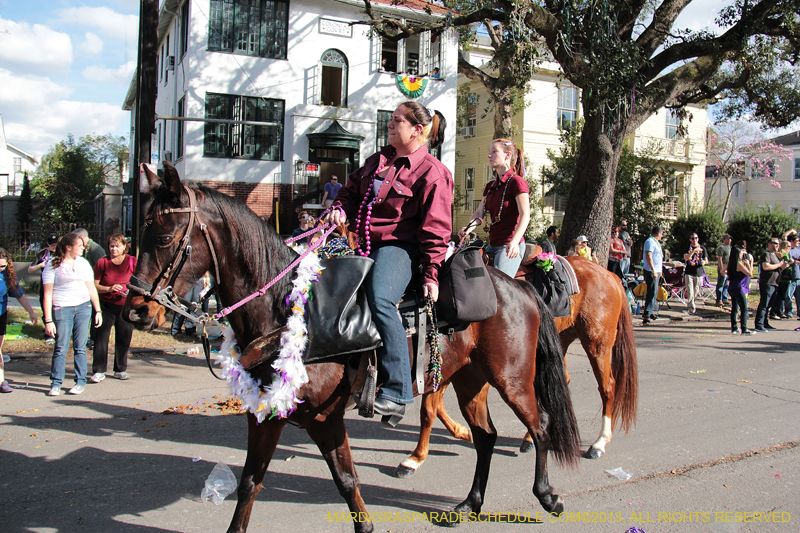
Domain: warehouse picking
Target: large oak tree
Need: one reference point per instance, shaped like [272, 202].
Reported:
[629, 61]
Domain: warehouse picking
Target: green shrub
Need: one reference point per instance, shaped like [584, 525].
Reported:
[707, 224]
[758, 225]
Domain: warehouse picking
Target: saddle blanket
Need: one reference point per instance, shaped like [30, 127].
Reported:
[555, 287]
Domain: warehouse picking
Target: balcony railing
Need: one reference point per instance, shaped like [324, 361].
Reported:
[670, 208]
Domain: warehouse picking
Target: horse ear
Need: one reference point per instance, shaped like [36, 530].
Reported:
[172, 180]
[150, 181]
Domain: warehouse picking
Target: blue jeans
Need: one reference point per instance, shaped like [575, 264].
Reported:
[502, 262]
[722, 289]
[738, 304]
[72, 323]
[385, 285]
[790, 293]
[650, 298]
[782, 305]
[624, 265]
[764, 304]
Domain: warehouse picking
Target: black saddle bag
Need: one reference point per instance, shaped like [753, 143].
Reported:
[338, 317]
[466, 293]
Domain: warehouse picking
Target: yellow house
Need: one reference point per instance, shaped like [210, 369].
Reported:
[551, 103]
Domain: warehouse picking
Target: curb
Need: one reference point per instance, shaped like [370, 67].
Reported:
[167, 351]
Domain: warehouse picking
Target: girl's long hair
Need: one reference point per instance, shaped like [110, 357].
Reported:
[11, 276]
[736, 253]
[70, 239]
[517, 157]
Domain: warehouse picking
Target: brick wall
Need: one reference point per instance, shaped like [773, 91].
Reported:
[261, 197]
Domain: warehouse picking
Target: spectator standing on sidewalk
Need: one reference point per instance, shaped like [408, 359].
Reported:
[331, 190]
[616, 253]
[93, 253]
[70, 301]
[769, 273]
[111, 276]
[723, 258]
[776, 312]
[42, 257]
[653, 266]
[696, 258]
[9, 286]
[793, 292]
[625, 264]
[740, 270]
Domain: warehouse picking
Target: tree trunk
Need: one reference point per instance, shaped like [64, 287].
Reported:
[503, 114]
[727, 197]
[590, 207]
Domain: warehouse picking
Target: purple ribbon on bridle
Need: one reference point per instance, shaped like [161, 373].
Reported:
[327, 230]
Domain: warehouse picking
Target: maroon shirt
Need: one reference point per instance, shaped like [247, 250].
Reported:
[108, 274]
[500, 233]
[413, 205]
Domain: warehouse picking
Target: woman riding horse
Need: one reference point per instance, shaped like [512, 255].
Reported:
[517, 351]
[398, 205]
[505, 207]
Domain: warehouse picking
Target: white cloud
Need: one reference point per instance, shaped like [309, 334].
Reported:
[701, 16]
[121, 74]
[92, 44]
[37, 113]
[103, 20]
[36, 48]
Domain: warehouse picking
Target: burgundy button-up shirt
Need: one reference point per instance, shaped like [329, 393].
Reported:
[413, 205]
[512, 185]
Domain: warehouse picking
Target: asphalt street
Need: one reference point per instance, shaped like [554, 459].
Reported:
[715, 450]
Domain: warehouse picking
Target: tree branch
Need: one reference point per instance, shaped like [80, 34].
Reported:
[735, 39]
[658, 30]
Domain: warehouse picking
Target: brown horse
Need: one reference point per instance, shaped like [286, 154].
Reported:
[601, 320]
[517, 351]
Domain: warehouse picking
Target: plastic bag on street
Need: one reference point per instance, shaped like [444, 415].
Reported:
[220, 483]
[620, 474]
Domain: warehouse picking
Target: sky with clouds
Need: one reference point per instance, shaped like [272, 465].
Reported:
[65, 67]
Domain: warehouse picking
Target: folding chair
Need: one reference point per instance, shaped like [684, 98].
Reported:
[674, 284]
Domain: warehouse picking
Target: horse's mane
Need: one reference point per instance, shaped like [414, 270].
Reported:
[260, 251]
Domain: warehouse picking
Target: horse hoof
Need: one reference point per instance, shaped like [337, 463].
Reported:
[526, 446]
[593, 453]
[558, 508]
[403, 472]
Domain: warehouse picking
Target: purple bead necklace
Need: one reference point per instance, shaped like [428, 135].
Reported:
[366, 202]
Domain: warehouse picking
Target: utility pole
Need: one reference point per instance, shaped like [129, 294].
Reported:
[144, 125]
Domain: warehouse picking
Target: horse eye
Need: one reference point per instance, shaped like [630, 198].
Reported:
[164, 240]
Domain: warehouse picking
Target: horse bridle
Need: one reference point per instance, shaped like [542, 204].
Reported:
[161, 290]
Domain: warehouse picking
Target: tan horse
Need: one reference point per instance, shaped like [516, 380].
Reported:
[601, 320]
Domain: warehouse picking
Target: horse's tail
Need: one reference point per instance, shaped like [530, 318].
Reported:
[552, 392]
[625, 369]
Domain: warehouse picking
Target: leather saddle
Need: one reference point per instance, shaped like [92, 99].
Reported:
[362, 367]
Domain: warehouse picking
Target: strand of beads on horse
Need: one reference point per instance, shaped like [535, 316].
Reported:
[279, 399]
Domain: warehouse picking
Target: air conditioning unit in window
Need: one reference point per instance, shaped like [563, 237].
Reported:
[167, 156]
[171, 63]
[468, 131]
